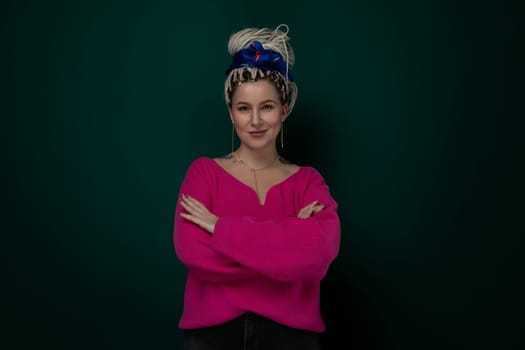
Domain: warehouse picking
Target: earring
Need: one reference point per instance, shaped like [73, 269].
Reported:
[233, 135]
[282, 134]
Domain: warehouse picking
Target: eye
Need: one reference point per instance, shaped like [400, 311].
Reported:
[242, 108]
[268, 107]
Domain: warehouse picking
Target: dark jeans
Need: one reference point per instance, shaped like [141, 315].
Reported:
[250, 332]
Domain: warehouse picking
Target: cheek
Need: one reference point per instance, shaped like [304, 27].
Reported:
[277, 120]
[235, 117]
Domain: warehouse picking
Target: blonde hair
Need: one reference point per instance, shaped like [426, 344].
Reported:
[275, 40]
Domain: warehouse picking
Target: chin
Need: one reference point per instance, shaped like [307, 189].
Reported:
[258, 145]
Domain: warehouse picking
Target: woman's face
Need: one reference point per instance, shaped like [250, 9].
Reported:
[257, 113]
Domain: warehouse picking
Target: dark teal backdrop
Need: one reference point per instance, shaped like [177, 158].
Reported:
[409, 108]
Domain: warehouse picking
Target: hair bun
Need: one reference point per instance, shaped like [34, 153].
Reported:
[274, 40]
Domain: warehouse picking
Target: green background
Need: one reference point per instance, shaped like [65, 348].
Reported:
[408, 108]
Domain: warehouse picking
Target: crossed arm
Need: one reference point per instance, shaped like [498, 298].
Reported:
[232, 248]
[201, 216]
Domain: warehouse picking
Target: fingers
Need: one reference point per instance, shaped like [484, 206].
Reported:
[317, 208]
[310, 210]
[306, 212]
[192, 205]
[198, 213]
[208, 226]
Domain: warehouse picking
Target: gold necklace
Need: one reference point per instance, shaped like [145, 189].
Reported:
[237, 159]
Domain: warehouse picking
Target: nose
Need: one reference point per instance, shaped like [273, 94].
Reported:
[256, 118]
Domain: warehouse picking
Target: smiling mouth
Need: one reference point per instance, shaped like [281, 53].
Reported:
[257, 133]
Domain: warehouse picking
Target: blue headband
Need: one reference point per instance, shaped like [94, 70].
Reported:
[256, 56]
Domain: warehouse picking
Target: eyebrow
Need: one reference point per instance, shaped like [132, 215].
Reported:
[268, 100]
[261, 103]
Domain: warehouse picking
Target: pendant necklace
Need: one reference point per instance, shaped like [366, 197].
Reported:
[254, 171]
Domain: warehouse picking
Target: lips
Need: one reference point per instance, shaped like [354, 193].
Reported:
[258, 133]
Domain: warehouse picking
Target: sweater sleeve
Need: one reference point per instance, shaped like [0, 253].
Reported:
[289, 249]
[192, 243]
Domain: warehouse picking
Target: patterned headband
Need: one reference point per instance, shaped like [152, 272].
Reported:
[256, 56]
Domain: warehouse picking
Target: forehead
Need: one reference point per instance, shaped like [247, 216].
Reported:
[255, 91]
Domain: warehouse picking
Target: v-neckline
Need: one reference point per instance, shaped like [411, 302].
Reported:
[265, 199]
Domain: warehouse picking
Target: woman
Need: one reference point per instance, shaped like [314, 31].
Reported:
[256, 233]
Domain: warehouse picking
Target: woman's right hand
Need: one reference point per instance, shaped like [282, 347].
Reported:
[198, 213]
[310, 210]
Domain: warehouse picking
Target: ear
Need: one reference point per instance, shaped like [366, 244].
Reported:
[231, 114]
[285, 112]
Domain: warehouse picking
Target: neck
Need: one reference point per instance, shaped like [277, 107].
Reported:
[257, 158]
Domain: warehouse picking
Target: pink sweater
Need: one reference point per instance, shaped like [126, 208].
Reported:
[261, 258]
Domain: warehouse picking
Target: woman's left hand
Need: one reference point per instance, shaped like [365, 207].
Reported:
[310, 210]
[198, 213]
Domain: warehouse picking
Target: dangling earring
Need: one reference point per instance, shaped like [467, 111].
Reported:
[233, 135]
[282, 134]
